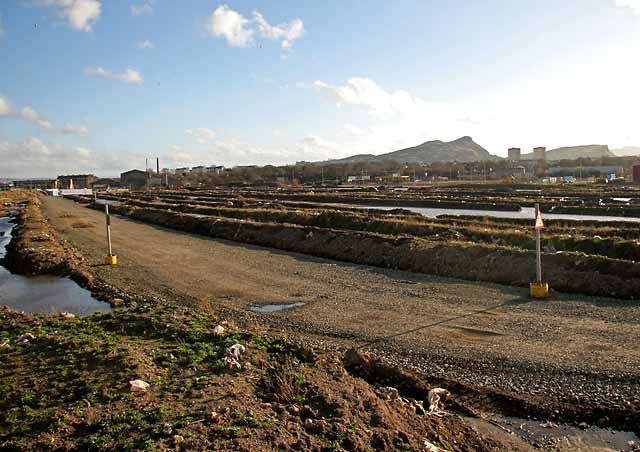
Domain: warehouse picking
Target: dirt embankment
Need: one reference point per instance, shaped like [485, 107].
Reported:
[443, 230]
[395, 201]
[35, 248]
[566, 272]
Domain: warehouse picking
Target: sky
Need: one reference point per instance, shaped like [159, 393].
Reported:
[98, 86]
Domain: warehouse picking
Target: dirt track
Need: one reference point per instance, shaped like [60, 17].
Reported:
[570, 347]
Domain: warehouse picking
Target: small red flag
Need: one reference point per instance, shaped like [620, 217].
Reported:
[539, 222]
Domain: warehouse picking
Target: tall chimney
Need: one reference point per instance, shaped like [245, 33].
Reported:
[158, 164]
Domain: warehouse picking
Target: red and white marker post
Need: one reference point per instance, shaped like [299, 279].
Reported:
[538, 289]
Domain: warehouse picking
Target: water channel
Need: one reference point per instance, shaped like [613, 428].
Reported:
[46, 294]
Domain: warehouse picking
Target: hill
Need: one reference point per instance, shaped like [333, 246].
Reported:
[575, 152]
[627, 151]
[463, 149]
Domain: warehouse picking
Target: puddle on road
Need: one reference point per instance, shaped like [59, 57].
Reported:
[565, 438]
[268, 308]
[45, 294]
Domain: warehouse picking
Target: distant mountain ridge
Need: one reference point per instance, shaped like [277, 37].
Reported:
[463, 149]
[627, 151]
[574, 152]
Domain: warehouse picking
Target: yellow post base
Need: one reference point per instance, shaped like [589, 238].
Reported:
[111, 260]
[538, 290]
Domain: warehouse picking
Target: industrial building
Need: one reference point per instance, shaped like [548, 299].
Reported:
[515, 171]
[106, 184]
[585, 171]
[539, 153]
[40, 184]
[635, 171]
[216, 169]
[514, 154]
[134, 179]
[79, 181]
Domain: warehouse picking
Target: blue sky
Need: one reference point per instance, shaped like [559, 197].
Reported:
[91, 85]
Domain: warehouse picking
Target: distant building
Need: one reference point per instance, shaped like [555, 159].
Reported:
[584, 171]
[40, 184]
[514, 154]
[539, 153]
[183, 171]
[106, 184]
[215, 169]
[358, 179]
[394, 178]
[79, 181]
[134, 179]
[198, 169]
[515, 171]
[635, 171]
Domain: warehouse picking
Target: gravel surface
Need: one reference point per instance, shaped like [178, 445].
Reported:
[571, 348]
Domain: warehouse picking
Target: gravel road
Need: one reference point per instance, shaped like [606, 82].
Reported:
[572, 348]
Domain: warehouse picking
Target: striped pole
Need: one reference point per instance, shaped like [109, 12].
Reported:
[538, 250]
[106, 211]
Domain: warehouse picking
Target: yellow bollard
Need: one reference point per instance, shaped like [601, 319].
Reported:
[538, 290]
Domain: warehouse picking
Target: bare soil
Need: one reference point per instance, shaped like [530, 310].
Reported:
[567, 356]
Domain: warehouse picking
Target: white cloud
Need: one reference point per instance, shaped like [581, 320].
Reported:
[592, 103]
[285, 33]
[634, 5]
[397, 119]
[202, 134]
[34, 157]
[142, 8]
[313, 147]
[241, 32]
[129, 75]
[231, 25]
[5, 106]
[362, 91]
[84, 152]
[353, 129]
[36, 118]
[28, 113]
[81, 14]
[146, 44]
[70, 129]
